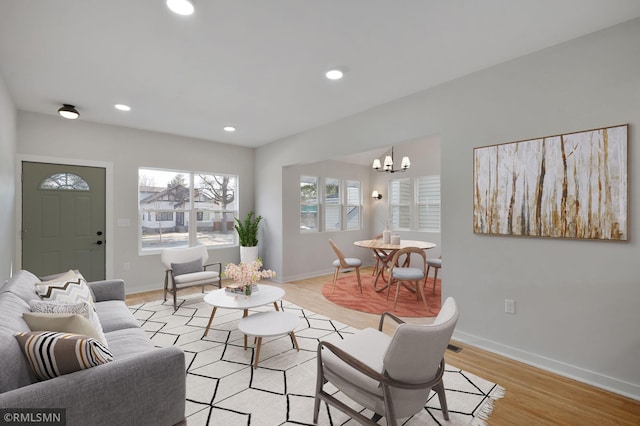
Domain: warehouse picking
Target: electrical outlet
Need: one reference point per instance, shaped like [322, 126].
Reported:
[510, 306]
[127, 266]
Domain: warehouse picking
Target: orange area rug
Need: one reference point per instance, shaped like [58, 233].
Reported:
[347, 294]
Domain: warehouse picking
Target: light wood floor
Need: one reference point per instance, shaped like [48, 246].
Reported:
[533, 396]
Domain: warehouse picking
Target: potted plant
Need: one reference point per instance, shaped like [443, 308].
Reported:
[248, 234]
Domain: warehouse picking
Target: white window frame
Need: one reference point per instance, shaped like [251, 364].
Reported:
[190, 212]
[415, 205]
[342, 203]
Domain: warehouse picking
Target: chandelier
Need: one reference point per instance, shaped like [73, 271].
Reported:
[387, 166]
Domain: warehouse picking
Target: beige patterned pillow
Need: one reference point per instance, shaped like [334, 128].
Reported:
[81, 308]
[53, 354]
[64, 323]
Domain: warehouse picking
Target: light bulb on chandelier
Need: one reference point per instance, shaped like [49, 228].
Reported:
[387, 166]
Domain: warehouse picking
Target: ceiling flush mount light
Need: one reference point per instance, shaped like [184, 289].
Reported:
[375, 194]
[229, 128]
[334, 74]
[181, 7]
[69, 111]
[122, 107]
[387, 166]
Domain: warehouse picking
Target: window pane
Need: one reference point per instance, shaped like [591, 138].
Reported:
[216, 228]
[308, 203]
[354, 202]
[215, 199]
[428, 202]
[163, 190]
[400, 199]
[332, 191]
[353, 217]
[160, 230]
[353, 193]
[332, 218]
[332, 202]
[215, 192]
[167, 207]
[65, 182]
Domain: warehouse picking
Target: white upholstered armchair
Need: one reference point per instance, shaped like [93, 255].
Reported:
[188, 267]
[390, 375]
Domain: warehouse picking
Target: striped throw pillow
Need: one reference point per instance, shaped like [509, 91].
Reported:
[52, 354]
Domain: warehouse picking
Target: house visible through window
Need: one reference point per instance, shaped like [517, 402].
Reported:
[180, 209]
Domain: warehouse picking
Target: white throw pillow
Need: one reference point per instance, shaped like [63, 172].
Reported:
[81, 308]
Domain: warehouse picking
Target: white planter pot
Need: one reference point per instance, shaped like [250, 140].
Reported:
[248, 254]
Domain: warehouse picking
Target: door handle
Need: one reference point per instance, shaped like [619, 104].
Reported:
[99, 242]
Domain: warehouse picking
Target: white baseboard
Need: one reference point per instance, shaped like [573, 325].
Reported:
[611, 384]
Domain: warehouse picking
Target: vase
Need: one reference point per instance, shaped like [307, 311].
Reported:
[248, 254]
[247, 289]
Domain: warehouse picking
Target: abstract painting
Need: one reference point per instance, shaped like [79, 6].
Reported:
[565, 186]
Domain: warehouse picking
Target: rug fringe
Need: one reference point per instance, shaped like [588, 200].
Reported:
[482, 416]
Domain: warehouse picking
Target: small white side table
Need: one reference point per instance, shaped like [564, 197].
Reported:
[267, 324]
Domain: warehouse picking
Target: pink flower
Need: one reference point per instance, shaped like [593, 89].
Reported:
[250, 273]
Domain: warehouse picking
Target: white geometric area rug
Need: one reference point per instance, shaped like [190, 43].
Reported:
[223, 388]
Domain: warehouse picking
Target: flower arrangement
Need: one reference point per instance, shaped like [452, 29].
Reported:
[247, 273]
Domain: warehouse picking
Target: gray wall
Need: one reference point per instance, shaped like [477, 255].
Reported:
[123, 151]
[576, 301]
[8, 142]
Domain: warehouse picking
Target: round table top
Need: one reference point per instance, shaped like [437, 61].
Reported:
[264, 295]
[378, 244]
[271, 323]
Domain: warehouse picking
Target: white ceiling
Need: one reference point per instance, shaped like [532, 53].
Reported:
[259, 64]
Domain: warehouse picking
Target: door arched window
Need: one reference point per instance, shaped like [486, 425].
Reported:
[65, 182]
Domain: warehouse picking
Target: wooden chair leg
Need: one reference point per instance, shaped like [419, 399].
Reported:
[395, 302]
[435, 279]
[424, 299]
[358, 275]
[335, 277]
[439, 389]
[426, 275]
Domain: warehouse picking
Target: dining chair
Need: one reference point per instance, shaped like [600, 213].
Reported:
[390, 375]
[187, 267]
[401, 271]
[436, 264]
[345, 263]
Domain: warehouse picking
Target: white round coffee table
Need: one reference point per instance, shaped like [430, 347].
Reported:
[223, 299]
[267, 324]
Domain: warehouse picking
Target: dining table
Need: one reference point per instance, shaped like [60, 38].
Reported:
[384, 253]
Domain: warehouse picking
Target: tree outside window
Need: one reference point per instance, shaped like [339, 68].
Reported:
[185, 209]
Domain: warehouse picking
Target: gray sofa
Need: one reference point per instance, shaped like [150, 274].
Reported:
[143, 385]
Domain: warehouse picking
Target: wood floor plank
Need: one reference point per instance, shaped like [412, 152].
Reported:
[533, 396]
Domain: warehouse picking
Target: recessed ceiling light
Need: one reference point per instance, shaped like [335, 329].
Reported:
[229, 129]
[181, 7]
[334, 74]
[68, 111]
[122, 107]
